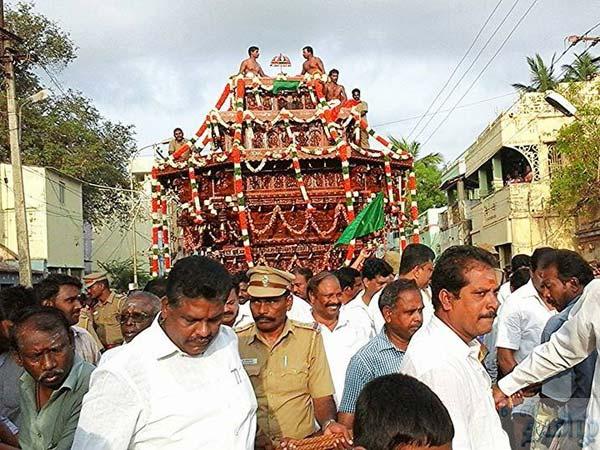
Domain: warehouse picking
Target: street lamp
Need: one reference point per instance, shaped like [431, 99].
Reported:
[14, 134]
[561, 104]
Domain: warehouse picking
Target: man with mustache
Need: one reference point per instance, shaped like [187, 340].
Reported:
[567, 394]
[520, 323]
[63, 292]
[286, 363]
[52, 389]
[102, 316]
[179, 384]
[445, 354]
[402, 309]
[417, 265]
[340, 339]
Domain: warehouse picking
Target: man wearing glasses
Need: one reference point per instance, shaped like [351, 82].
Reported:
[137, 313]
[63, 292]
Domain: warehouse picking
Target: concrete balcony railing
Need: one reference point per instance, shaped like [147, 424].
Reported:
[510, 202]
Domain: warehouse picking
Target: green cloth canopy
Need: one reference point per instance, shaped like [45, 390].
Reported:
[285, 85]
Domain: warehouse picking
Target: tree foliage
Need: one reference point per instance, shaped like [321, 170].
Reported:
[121, 274]
[542, 77]
[66, 131]
[584, 68]
[428, 172]
[575, 184]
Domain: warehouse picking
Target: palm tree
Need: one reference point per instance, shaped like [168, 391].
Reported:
[584, 68]
[414, 148]
[541, 75]
[428, 172]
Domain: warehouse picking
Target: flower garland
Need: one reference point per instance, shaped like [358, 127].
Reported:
[156, 221]
[299, 178]
[309, 222]
[414, 210]
[342, 149]
[258, 168]
[196, 210]
[390, 150]
[238, 185]
[402, 213]
[165, 234]
[294, 147]
[388, 180]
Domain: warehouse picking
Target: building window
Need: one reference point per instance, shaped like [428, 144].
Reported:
[61, 192]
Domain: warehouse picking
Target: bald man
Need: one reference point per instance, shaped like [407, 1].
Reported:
[137, 313]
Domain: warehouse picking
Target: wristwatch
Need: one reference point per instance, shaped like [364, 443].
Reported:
[327, 423]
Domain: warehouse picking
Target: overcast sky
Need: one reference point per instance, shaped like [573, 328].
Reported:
[158, 64]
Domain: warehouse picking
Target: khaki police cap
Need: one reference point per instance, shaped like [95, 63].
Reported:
[268, 282]
[92, 278]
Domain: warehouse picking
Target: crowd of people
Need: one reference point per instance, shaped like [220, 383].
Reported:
[385, 354]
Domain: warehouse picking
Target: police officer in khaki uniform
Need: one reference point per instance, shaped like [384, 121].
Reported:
[286, 363]
[105, 310]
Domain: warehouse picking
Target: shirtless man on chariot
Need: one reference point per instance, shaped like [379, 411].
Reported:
[251, 65]
[333, 90]
[313, 64]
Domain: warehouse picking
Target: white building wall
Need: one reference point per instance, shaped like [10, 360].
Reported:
[54, 217]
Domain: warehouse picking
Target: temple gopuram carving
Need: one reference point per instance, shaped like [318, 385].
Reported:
[273, 176]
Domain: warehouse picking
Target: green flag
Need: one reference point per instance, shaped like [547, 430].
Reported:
[285, 85]
[369, 220]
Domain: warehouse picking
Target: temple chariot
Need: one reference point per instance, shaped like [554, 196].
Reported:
[273, 176]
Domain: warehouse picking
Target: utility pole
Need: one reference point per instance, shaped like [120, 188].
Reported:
[7, 56]
[133, 228]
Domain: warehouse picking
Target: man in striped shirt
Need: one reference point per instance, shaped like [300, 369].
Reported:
[402, 308]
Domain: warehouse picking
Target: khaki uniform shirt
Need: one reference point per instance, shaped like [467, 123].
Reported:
[87, 323]
[286, 377]
[106, 320]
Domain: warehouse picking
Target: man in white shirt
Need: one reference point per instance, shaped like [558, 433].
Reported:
[416, 265]
[376, 273]
[350, 282]
[301, 310]
[340, 339]
[520, 324]
[63, 292]
[444, 354]
[235, 315]
[571, 344]
[137, 314]
[180, 383]
[517, 261]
